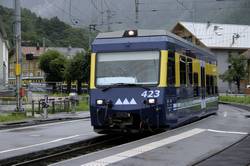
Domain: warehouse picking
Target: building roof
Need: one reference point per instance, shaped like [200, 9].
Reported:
[214, 35]
[64, 50]
[67, 51]
[247, 54]
[32, 50]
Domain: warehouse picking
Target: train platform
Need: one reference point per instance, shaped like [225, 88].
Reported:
[221, 139]
[236, 155]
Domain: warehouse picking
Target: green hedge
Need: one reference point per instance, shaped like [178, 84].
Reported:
[235, 99]
[12, 117]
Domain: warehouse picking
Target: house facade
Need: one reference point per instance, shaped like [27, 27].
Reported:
[30, 65]
[223, 40]
[3, 56]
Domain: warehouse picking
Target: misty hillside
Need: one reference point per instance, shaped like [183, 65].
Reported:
[34, 29]
[64, 24]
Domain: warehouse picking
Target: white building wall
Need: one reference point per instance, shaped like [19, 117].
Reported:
[1, 61]
[222, 59]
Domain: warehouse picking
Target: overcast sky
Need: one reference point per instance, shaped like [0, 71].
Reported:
[153, 14]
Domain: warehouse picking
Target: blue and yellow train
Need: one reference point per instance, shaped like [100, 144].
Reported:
[149, 79]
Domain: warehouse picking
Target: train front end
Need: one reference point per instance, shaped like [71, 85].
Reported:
[126, 87]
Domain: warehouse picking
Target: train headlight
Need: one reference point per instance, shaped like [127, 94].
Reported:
[100, 102]
[151, 101]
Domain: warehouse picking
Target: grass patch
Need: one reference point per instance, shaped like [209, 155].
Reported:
[82, 106]
[50, 94]
[235, 99]
[12, 117]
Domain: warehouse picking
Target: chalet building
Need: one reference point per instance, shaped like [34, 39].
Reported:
[222, 39]
[30, 66]
[3, 56]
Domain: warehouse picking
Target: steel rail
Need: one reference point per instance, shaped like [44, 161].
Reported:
[64, 152]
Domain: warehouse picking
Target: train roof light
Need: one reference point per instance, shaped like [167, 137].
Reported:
[130, 33]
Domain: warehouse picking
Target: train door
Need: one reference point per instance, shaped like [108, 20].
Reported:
[203, 86]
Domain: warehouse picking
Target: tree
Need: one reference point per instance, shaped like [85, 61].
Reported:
[236, 71]
[77, 70]
[53, 64]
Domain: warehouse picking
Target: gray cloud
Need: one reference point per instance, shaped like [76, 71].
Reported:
[153, 14]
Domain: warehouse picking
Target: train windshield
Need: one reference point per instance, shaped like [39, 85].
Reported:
[140, 68]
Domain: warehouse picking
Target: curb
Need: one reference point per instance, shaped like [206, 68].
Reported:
[37, 122]
[245, 107]
[50, 151]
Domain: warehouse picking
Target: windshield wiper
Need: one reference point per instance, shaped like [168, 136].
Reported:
[125, 84]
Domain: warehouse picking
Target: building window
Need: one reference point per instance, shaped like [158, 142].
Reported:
[25, 74]
[188, 38]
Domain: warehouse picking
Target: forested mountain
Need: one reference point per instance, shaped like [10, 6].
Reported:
[34, 29]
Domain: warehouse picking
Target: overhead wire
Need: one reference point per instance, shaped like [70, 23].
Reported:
[130, 20]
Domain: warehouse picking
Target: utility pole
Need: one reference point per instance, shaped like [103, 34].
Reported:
[92, 28]
[136, 11]
[109, 16]
[18, 66]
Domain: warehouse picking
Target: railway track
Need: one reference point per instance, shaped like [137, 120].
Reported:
[54, 155]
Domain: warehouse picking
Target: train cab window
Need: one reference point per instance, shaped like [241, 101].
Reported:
[183, 72]
[190, 71]
[171, 69]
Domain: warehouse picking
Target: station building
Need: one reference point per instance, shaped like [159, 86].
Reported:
[30, 65]
[223, 40]
[3, 56]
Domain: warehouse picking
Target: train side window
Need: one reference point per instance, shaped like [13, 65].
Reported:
[212, 85]
[171, 69]
[196, 85]
[190, 71]
[215, 85]
[208, 85]
[183, 72]
[202, 77]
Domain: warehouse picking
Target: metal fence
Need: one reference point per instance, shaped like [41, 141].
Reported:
[55, 105]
